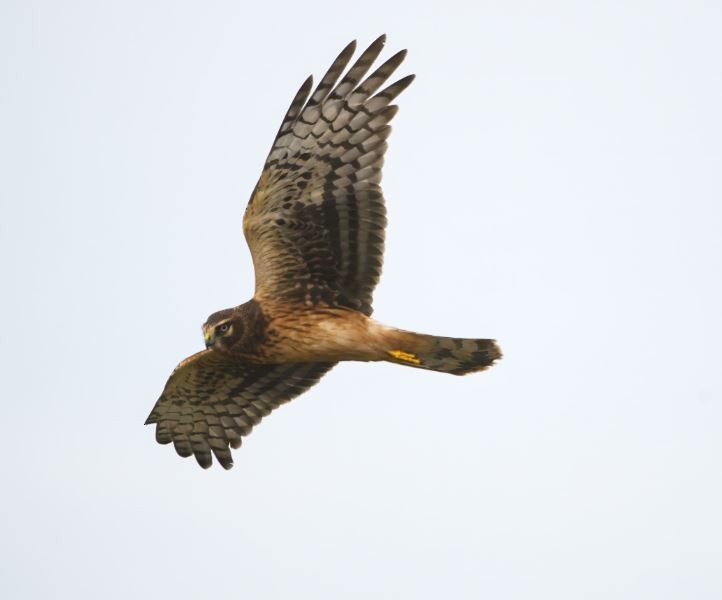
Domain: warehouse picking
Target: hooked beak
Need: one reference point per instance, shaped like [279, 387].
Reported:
[208, 337]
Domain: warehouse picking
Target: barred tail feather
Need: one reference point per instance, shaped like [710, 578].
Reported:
[457, 356]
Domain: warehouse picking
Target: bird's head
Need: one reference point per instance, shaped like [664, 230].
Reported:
[222, 330]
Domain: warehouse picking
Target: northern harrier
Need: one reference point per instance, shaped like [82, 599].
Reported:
[315, 226]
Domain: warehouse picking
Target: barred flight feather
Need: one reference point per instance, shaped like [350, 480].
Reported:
[211, 401]
[315, 223]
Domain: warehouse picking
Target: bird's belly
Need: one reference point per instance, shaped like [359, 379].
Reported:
[344, 336]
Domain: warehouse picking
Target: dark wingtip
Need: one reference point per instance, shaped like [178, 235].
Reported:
[345, 55]
[402, 84]
[376, 46]
[203, 463]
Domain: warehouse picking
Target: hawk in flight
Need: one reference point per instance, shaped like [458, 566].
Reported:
[315, 227]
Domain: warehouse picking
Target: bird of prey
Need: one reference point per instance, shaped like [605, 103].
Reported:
[315, 227]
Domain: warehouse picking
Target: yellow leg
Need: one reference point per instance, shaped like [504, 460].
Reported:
[402, 356]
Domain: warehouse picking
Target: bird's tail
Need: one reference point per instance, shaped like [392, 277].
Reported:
[457, 356]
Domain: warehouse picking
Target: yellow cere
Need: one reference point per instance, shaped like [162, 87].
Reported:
[404, 356]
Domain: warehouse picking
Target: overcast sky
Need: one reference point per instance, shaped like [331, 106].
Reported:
[553, 181]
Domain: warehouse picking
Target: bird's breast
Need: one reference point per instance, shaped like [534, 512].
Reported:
[326, 335]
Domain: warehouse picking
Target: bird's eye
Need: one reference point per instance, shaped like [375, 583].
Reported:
[223, 328]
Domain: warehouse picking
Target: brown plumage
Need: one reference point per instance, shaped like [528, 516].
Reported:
[315, 227]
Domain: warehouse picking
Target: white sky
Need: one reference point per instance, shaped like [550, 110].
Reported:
[553, 181]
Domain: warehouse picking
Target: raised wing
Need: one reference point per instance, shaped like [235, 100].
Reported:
[315, 222]
[210, 401]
